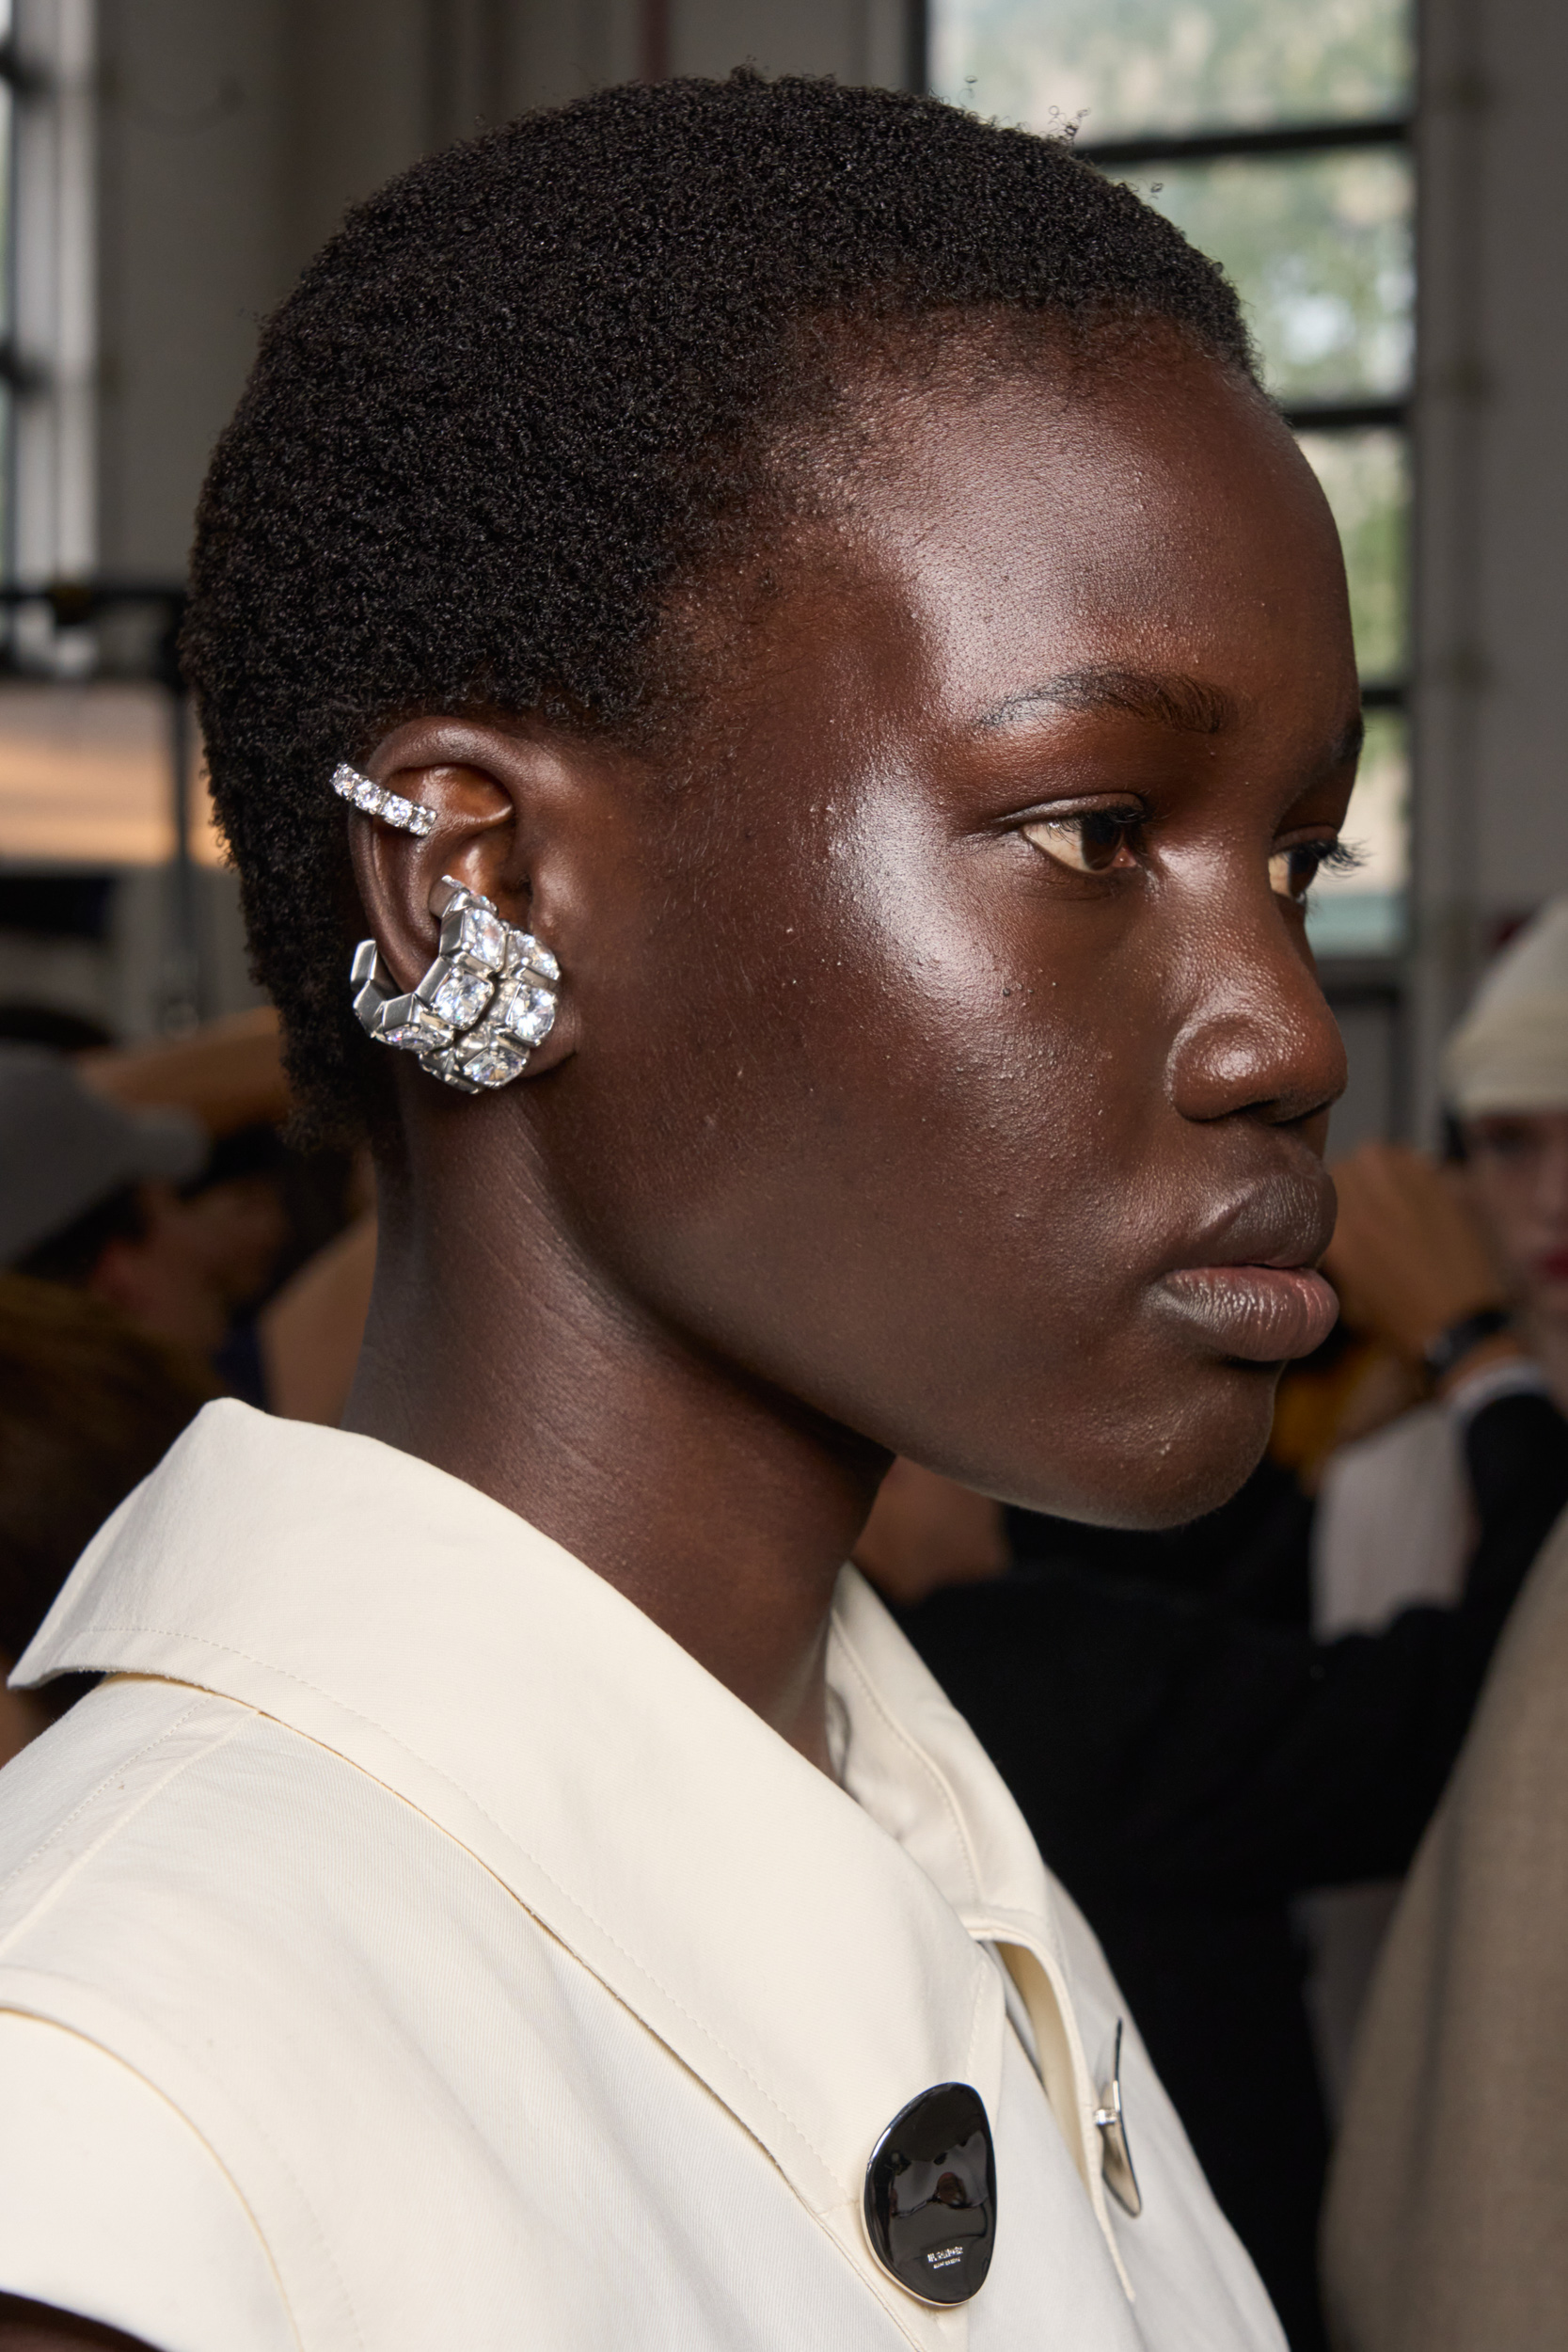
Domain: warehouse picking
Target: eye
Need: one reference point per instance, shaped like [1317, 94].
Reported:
[1091, 841]
[1505, 1138]
[1292, 872]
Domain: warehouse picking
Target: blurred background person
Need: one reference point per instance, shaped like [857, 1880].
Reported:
[1396, 1519]
[1446, 2227]
[89, 1199]
[1392, 1518]
[89, 1405]
[1449, 2220]
[155, 1177]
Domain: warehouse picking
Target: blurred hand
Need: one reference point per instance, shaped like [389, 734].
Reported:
[228, 1074]
[925, 1533]
[1407, 1258]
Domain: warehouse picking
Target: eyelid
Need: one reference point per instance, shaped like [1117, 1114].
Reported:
[1126, 804]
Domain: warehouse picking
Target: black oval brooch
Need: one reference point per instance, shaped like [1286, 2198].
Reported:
[931, 2195]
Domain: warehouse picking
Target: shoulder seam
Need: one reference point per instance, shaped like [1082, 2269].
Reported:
[51, 1893]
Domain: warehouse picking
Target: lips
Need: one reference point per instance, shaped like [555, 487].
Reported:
[1263, 1314]
[1246, 1283]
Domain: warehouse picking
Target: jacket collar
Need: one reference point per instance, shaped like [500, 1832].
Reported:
[809, 1951]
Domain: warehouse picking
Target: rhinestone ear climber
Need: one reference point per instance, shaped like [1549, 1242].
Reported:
[392, 809]
[487, 1000]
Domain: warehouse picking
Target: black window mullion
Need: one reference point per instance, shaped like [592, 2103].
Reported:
[1283, 138]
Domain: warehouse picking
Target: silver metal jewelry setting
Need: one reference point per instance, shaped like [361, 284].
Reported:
[487, 1000]
[392, 809]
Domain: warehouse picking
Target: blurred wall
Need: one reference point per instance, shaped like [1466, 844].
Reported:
[234, 137]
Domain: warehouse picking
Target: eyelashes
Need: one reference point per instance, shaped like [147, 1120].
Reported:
[1101, 841]
[1292, 872]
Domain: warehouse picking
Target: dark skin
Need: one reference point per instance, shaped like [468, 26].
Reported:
[872, 1124]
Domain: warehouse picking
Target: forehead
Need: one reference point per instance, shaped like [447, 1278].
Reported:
[1155, 513]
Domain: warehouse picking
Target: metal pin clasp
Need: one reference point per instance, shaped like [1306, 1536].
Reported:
[1116, 2157]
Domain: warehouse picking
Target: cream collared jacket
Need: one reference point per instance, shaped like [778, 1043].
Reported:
[412, 1948]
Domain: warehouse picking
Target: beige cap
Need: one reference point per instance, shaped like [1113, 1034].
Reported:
[1510, 1053]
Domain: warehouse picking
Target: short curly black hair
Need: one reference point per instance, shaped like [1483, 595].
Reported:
[512, 402]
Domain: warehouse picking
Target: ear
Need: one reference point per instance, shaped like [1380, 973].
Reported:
[508, 812]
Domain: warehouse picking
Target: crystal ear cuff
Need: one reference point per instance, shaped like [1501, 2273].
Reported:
[487, 1000]
[392, 809]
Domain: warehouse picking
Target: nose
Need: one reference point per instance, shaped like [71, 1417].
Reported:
[1259, 1038]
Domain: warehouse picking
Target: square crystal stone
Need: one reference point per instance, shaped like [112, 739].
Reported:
[396, 810]
[494, 1062]
[460, 997]
[368, 796]
[345, 781]
[529, 1013]
[482, 936]
[422, 819]
[524, 954]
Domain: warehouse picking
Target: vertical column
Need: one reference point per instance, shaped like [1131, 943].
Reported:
[1451, 665]
[1492, 560]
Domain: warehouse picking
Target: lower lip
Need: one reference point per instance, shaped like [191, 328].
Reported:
[1555, 1268]
[1265, 1314]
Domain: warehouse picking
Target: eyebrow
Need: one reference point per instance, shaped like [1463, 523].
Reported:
[1166, 697]
[1169, 698]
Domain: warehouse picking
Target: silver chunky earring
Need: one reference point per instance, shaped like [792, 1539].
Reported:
[487, 1000]
[392, 809]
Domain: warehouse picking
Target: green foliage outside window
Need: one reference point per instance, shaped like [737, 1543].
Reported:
[1130, 67]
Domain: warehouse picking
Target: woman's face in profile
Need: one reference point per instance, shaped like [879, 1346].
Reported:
[952, 1057]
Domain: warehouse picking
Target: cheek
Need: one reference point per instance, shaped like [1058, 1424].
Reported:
[885, 1048]
[1504, 1195]
[903, 1149]
[880, 1151]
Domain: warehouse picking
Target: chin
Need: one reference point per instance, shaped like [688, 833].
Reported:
[1169, 1469]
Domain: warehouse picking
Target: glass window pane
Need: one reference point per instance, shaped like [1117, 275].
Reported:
[1363, 913]
[1320, 248]
[1127, 67]
[6, 106]
[1366, 478]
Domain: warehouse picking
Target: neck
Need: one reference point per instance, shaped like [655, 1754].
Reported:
[720, 1508]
